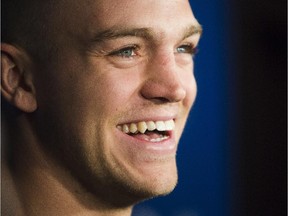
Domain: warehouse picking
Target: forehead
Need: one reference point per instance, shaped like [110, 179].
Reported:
[99, 15]
[140, 11]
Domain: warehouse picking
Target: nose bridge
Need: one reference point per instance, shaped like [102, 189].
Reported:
[165, 60]
[166, 70]
[164, 80]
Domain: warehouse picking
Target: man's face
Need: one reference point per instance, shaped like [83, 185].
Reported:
[120, 77]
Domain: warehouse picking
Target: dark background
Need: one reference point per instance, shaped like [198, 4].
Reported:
[232, 157]
[262, 76]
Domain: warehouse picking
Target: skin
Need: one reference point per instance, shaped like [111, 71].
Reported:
[80, 163]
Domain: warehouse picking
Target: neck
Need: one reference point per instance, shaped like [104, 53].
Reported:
[43, 187]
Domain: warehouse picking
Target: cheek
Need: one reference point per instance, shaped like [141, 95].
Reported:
[116, 89]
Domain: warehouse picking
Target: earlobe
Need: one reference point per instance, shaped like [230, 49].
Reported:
[16, 82]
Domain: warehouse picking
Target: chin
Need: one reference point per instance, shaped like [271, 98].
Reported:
[159, 183]
[158, 189]
[128, 190]
[162, 188]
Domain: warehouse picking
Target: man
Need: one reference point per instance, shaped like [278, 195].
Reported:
[99, 93]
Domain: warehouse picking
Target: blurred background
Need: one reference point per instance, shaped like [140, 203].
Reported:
[232, 156]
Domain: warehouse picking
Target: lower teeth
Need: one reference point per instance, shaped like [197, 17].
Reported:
[159, 139]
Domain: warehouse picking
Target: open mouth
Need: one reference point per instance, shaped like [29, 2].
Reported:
[152, 131]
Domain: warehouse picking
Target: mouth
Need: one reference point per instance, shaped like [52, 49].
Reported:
[151, 131]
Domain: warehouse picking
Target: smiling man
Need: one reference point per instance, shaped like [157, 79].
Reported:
[95, 94]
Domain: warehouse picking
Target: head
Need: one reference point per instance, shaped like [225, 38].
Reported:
[106, 87]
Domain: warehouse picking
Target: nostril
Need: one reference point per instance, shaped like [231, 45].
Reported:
[159, 100]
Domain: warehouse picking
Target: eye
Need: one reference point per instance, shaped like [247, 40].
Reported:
[126, 52]
[187, 48]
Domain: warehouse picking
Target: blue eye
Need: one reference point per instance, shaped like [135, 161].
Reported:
[188, 48]
[126, 52]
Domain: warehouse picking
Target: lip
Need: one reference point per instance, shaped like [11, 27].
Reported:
[165, 148]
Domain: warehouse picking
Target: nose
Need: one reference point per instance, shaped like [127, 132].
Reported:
[163, 83]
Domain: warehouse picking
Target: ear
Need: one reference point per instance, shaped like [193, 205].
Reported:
[16, 78]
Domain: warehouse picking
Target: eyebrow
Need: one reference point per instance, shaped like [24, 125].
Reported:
[115, 33]
[193, 30]
[146, 33]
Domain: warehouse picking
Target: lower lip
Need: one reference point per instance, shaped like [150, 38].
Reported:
[165, 147]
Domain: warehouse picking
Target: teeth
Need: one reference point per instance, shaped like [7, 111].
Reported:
[151, 125]
[125, 128]
[142, 126]
[169, 125]
[158, 139]
[160, 125]
[133, 128]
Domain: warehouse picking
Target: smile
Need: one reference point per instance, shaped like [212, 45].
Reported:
[152, 131]
[142, 127]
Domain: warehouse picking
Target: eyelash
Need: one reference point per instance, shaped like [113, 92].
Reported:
[189, 49]
[121, 52]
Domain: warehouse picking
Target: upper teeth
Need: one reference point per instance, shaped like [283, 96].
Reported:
[143, 126]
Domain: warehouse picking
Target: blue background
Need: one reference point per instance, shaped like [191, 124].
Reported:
[203, 154]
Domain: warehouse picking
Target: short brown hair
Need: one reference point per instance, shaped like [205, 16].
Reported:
[24, 23]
